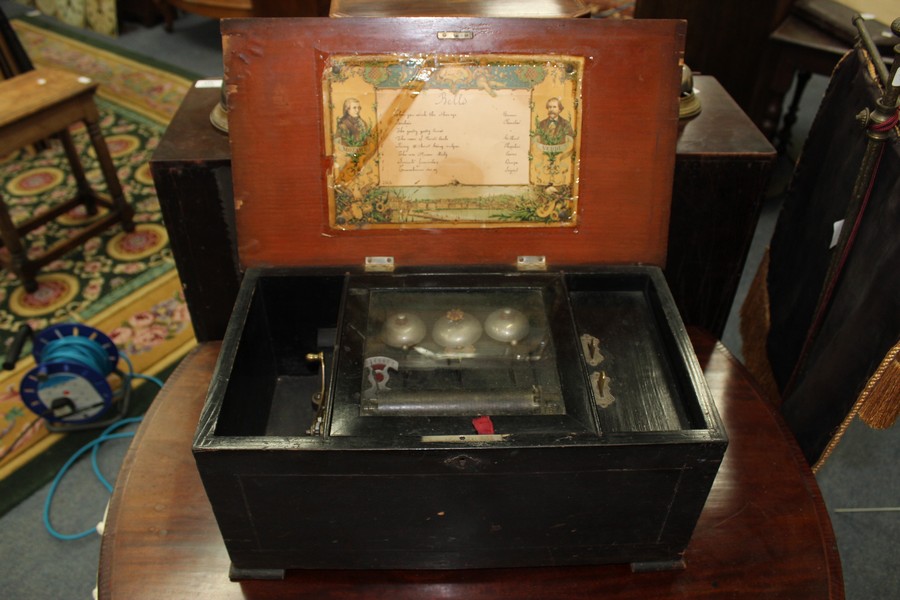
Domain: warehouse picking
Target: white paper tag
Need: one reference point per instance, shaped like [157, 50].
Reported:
[836, 235]
[896, 82]
[208, 83]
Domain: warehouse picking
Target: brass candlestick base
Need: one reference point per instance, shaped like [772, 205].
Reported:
[688, 102]
[219, 115]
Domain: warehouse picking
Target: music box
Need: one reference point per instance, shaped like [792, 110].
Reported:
[453, 346]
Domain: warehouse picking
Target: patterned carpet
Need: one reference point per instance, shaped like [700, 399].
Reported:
[125, 285]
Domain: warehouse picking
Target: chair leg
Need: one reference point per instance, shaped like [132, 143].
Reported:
[109, 173]
[783, 138]
[85, 193]
[18, 263]
[169, 14]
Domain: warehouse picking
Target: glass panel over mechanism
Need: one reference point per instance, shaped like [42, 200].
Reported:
[459, 353]
[424, 355]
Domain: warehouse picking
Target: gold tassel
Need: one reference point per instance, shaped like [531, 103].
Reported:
[877, 406]
[754, 325]
[879, 403]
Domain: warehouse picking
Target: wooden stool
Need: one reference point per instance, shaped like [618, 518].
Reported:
[34, 106]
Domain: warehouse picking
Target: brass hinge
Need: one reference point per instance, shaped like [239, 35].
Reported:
[379, 264]
[455, 35]
[531, 263]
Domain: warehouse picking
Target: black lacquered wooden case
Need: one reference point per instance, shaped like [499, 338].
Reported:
[406, 385]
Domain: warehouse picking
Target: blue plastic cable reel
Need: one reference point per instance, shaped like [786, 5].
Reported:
[70, 385]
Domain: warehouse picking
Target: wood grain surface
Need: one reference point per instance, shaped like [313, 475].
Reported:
[629, 128]
[25, 101]
[461, 8]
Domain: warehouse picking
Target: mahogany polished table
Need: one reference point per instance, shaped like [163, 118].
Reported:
[764, 531]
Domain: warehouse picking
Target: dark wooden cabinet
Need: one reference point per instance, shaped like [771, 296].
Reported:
[192, 172]
[722, 169]
[724, 39]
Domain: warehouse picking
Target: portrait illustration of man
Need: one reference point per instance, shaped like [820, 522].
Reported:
[554, 129]
[352, 130]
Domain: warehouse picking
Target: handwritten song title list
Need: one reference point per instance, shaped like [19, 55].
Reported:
[471, 137]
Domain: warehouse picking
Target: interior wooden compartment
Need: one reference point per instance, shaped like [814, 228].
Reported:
[633, 315]
[291, 313]
[271, 383]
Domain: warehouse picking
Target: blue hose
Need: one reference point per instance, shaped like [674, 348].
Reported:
[83, 350]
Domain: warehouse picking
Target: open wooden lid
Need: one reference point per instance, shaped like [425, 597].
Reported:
[460, 8]
[452, 142]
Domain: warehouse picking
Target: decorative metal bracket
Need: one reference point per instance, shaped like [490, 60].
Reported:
[318, 399]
